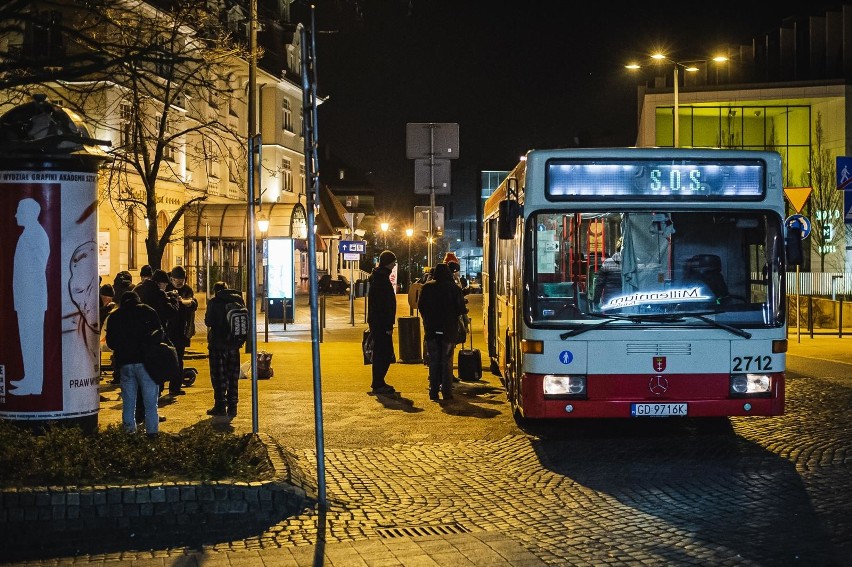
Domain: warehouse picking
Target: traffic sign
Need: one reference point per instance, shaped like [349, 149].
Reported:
[800, 222]
[431, 140]
[798, 196]
[352, 247]
[843, 169]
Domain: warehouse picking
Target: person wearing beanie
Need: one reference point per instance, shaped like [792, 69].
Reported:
[381, 315]
[181, 328]
[223, 351]
[123, 282]
[153, 294]
[452, 262]
[146, 272]
[127, 330]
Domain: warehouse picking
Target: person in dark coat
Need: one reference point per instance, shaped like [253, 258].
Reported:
[441, 305]
[224, 355]
[182, 326]
[381, 315]
[153, 293]
[129, 327]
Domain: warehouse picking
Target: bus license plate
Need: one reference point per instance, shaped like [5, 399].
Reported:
[657, 410]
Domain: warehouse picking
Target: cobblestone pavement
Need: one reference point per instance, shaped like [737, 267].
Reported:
[410, 482]
[763, 492]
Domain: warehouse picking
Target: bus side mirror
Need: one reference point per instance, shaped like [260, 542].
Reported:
[507, 219]
[793, 247]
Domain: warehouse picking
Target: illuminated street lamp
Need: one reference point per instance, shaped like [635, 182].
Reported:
[688, 66]
[385, 226]
[262, 223]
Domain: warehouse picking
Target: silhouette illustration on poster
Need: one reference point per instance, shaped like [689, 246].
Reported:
[29, 287]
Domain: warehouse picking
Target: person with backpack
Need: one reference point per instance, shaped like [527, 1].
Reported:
[441, 305]
[128, 330]
[227, 330]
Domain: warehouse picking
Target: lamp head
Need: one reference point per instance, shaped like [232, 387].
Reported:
[262, 223]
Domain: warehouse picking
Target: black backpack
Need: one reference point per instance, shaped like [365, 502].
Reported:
[237, 323]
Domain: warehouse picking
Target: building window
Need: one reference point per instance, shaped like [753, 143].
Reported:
[168, 143]
[125, 125]
[286, 175]
[131, 240]
[302, 178]
[232, 106]
[286, 116]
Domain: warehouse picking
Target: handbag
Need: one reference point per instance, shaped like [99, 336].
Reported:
[367, 346]
[161, 360]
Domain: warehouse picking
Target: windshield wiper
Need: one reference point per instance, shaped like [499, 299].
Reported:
[607, 320]
[655, 317]
[718, 325]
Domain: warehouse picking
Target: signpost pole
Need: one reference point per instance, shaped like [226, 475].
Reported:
[798, 196]
[351, 218]
[431, 193]
[432, 145]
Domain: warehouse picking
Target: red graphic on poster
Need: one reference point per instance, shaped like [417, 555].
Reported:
[31, 298]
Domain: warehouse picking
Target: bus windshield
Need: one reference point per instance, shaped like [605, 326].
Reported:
[659, 266]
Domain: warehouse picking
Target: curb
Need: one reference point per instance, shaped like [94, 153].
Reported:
[39, 522]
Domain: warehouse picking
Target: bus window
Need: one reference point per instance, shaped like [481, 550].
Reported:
[652, 262]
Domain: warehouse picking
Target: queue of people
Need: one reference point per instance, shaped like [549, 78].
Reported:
[161, 307]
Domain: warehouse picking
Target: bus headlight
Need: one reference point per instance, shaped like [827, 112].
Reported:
[750, 384]
[562, 385]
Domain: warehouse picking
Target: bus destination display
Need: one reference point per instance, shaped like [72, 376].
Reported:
[680, 179]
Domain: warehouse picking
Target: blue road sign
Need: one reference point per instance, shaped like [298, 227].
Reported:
[352, 247]
[800, 222]
[844, 173]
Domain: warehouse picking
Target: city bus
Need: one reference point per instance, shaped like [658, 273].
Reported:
[639, 282]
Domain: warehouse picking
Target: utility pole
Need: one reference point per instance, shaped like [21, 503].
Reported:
[251, 245]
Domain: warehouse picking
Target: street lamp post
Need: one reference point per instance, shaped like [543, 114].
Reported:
[409, 232]
[688, 66]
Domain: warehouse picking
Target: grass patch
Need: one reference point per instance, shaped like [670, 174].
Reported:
[66, 456]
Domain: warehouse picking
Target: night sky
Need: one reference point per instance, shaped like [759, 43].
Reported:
[514, 76]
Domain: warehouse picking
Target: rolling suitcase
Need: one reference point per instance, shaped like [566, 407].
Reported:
[470, 362]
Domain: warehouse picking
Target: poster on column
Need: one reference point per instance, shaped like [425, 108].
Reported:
[49, 360]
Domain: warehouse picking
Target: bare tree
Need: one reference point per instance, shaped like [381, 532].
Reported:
[169, 93]
[45, 41]
[826, 202]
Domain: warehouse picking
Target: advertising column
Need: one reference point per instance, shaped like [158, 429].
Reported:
[49, 355]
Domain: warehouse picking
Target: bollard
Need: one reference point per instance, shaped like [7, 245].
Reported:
[409, 340]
